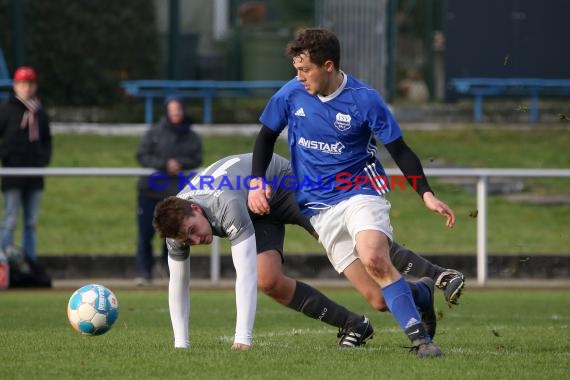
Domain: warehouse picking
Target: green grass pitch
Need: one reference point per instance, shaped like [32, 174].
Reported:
[491, 335]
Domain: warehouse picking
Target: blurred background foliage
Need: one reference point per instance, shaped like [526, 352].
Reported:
[82, 49]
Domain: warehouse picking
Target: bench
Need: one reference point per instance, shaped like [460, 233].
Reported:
[533, 87]
[206, 89]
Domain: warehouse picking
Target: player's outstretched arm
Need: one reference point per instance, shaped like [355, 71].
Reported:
[244, 255]
[412, 168]
[178, 300]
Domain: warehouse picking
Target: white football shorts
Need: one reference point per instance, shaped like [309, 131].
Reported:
[338, 225]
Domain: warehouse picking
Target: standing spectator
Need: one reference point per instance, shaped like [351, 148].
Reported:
[25, 141]
[169, 147]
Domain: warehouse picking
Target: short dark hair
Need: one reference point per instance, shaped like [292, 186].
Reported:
[321, 45]
[169, 215]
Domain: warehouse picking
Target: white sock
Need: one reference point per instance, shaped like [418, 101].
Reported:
[179, 301]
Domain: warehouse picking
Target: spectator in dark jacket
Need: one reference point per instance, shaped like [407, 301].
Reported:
[170, 147]
[25, 141]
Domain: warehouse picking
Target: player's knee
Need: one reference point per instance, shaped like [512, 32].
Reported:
[267, 284]
[377, 266]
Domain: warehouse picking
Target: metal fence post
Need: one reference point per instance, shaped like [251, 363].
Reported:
[148, 111]
[215, 261]
[482, 230]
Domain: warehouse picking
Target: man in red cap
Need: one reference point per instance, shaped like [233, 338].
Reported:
[25, 141]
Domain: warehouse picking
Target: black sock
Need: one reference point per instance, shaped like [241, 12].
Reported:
[316, 305]
[409, 263]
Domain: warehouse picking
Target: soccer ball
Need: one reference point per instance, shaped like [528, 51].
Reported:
[92, 309]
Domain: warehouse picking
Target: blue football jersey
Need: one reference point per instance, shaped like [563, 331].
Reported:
[331, 140]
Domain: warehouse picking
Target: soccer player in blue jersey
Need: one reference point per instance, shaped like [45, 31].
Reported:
[333, 120]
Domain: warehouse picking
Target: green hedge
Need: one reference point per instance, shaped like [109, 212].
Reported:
[82, 49]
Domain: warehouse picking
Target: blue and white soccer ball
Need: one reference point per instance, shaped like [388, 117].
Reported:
[92, 309]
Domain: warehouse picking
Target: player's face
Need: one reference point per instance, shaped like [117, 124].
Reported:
[318, 80]
[196, 229]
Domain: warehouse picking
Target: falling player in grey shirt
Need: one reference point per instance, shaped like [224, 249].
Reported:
[214, 202]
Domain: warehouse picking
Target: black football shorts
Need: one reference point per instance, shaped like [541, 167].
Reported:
[270, 229]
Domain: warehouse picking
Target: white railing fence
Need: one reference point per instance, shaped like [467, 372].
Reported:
[482, 176]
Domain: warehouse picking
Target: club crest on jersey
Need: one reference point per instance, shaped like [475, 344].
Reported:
[342, 121]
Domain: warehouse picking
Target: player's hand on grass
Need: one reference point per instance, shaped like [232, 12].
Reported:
[258, 195]
[441, 208]
[240, 346]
